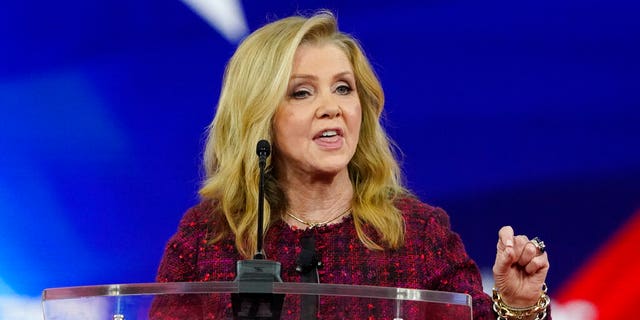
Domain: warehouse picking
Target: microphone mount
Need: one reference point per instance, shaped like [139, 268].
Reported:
[256, 276]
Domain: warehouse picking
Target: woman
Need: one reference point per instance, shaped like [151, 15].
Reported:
[309, 89]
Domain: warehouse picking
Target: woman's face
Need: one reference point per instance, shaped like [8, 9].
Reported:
[317, 125]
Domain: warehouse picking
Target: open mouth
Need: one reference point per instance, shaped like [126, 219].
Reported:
[328, 133]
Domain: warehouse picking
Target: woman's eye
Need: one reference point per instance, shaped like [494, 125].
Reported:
[300, 94]
[343, 89]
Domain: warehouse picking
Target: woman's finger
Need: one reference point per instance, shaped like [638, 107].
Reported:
[505, 255]
[537, 264]
[505, 237]
[529, 251]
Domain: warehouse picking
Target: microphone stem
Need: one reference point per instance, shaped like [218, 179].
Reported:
[260, 254]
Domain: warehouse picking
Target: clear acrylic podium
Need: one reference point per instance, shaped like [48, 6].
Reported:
[212, 300]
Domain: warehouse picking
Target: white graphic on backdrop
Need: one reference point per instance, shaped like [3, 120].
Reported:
[226, 16]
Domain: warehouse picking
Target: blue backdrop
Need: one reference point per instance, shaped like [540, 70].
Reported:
[522, 113]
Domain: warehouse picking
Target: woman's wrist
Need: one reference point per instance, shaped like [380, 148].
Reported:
[537, 311]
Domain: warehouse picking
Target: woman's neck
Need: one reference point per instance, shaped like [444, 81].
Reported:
[317, 200]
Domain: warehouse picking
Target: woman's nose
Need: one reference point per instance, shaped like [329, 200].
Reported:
[328, 108]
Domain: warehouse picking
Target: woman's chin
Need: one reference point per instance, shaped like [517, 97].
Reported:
[330, 171]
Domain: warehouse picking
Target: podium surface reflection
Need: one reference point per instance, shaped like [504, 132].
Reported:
[212, 300]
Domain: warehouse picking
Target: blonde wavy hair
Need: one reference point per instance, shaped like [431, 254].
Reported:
[254, 85]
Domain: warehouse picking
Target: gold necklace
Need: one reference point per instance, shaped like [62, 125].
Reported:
[312, 225]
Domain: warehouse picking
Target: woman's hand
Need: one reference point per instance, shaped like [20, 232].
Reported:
[520, 269]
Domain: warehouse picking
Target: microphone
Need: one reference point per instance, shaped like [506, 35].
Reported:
[309, 259]
[263, 150]
[307, 265]
[256, 276]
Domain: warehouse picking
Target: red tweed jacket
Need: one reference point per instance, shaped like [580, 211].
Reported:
[433, 258]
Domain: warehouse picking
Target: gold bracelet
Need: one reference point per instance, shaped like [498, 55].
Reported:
[506, 312]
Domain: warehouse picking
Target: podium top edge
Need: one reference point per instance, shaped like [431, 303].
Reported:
[221, 287]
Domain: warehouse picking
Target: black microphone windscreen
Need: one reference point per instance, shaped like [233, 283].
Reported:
[263, 149]
[308, 242]
[308, 259]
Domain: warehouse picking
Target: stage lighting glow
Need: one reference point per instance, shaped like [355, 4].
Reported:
[14, 307]
[226, 16]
